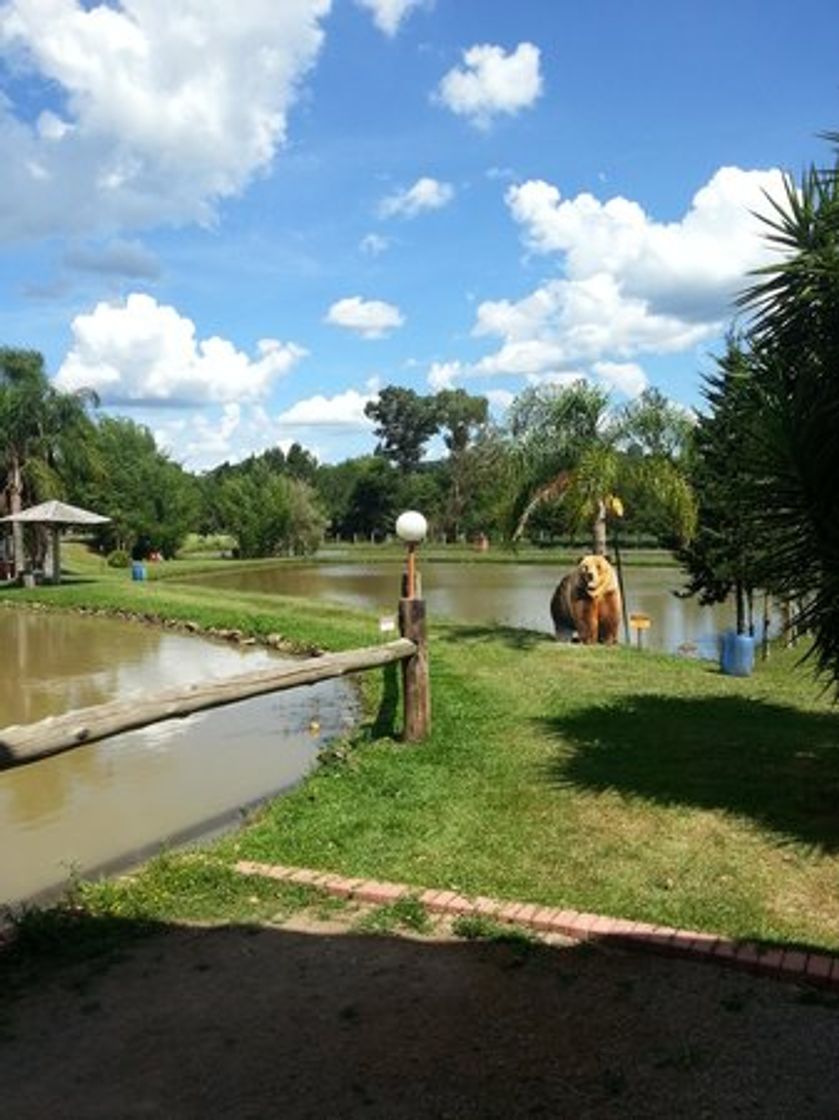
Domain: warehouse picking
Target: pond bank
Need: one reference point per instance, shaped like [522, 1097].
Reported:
[109, 804]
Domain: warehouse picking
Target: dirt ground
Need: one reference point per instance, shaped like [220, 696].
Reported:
[314, 1020]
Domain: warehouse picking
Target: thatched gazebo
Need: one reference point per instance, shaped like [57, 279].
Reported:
[54, 516]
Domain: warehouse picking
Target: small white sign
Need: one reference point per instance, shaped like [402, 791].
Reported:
[387, 624]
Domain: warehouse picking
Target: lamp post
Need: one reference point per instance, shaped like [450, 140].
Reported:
[411, 527]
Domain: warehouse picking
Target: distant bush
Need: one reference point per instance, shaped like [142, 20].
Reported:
[119, 558]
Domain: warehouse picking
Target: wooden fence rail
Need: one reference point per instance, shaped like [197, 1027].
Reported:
[23, 744]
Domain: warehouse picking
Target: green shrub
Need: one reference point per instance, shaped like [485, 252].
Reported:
[406, 913]
[119, 558]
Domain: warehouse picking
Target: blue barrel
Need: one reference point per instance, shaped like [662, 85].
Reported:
[138, 570]
[737, 655]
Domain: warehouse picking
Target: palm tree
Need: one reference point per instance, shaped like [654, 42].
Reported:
[39, 430]
[571, 448]
[795, 450]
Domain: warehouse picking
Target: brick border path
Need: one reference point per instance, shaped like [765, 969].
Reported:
[786, 964]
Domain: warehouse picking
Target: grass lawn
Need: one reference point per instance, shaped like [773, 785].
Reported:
[607, 780]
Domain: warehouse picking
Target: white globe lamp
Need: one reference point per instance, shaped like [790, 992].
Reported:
[411, 527]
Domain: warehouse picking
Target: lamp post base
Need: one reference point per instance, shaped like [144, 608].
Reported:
[416, 689]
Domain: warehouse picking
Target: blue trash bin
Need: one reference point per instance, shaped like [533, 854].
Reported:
[138, 570]
[737, 655]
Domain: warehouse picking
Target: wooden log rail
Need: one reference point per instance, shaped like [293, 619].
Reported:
[24, 744]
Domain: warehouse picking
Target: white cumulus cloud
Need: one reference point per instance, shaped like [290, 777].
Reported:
[204, 438]
[627, 377]
[443, 375]
[139, 351]
[570, 321]
[160, 109]
[492, 83]
[388, 14]
[692, 267]
[371, 318]
[425, 194]
[344, 410]
[631, 285]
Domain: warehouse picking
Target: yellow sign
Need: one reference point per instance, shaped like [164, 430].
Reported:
[640, 621]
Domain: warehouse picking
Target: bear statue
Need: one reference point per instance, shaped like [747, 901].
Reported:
[588, 602]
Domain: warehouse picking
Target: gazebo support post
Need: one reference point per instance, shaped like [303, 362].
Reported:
[55, 550]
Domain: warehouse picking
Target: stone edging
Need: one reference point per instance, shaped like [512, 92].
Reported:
[798, 965]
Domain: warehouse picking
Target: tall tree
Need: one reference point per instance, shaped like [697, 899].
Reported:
[152, 502]
[404, 422]
[653, 425]
[461, 418]
[41, 430]
[571, 449]
[300, 463]
[373, 499]
[724, 556]
[566, 451]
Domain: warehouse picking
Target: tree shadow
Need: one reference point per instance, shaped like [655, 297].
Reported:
[309, 1020]
[510, 636]
[12, 587]
[774, 764]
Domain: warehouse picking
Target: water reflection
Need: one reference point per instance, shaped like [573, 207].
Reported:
[94, 805]
[52, 663]
[516, 595]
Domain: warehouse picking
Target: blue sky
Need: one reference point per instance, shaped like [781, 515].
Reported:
[238, 222]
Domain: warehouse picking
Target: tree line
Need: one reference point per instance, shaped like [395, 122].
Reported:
[484, 479]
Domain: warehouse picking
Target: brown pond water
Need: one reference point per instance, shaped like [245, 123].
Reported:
[103, 805]
[485, 594]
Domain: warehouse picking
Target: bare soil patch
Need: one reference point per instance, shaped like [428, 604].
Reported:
[314, 1019]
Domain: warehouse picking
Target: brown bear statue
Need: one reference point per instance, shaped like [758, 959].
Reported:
[588, 602]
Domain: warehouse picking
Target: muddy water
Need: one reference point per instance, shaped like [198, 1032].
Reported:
[495, 594]
[101, 805]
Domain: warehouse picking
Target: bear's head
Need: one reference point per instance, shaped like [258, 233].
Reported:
[597, 575]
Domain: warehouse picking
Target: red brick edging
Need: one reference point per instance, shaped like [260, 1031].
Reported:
[787, 964]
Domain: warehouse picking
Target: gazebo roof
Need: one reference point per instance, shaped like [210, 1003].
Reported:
[57, 513]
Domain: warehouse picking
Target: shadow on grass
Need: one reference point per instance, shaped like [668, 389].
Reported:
[67, 580]
[776, 765]
[385, 723]
[510, 636]
[310, 1021]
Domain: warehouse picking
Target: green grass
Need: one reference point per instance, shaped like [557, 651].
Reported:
[97, 921]
[364, 552]
[203, 554]
[475, 928]
[404, 914]
[604, 780]
[607, 780]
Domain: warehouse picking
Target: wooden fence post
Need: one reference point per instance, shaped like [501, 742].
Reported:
[416, 689]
